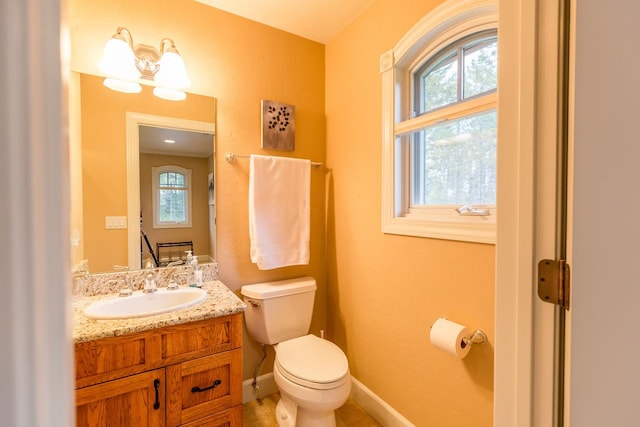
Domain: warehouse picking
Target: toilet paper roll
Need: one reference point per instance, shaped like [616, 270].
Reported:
[448, 336]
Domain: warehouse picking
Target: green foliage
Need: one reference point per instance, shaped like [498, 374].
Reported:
[440, 85]
[459, 161]
[172, 179]
[480, 69]
[173, 205]
[455, 162]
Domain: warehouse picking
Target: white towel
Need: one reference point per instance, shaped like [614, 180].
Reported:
[279, 199]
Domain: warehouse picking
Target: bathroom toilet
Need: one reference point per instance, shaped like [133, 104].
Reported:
[312, 373]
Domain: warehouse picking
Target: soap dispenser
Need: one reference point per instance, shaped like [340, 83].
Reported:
[192, 261]
[198, 277]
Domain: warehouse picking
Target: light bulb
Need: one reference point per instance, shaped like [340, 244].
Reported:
[118, 64]
[169, 94]
[118, 61]
[172, 73]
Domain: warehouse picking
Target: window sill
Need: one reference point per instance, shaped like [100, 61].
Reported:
[467, 229]
[173, 225]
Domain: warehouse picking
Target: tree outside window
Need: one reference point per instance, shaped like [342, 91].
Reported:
[172, 191]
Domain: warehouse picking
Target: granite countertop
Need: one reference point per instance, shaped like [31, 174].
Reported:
[221, 301]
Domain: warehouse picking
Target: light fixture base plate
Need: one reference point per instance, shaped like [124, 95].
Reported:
[147, 60]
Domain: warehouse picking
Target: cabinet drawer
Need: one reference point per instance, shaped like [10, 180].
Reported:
[229, 418]
[197, 339]
[110, 358]
[200, 388]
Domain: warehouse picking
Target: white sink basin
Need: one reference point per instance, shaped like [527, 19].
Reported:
[140, 304]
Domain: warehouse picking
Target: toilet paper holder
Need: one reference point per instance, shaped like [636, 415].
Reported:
[477, 337]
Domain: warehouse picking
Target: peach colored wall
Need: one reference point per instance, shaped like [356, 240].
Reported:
[385, 290]
[104, 166]
[199, 231]
[239, 62]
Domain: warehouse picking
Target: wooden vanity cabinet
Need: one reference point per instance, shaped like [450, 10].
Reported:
[182, 375]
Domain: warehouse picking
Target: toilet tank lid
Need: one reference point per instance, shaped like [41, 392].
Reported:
[279, 288]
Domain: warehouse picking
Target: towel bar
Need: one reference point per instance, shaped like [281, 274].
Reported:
[230, 158]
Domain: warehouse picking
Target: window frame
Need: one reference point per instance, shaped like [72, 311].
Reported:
[448, 23]
[155, 185]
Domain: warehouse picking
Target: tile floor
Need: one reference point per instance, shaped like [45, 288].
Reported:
[262, 414]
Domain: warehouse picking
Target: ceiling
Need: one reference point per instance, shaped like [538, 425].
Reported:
[317, 20]
[186, 143]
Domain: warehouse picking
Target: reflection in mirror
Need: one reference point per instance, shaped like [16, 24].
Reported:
[176, 195]
[109, 196]
[170, 209]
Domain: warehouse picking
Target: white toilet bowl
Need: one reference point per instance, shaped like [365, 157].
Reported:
[314, 380]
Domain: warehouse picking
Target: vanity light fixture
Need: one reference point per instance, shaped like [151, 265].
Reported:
[124, 67]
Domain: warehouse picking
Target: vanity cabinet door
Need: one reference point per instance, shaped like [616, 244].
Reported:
[199, 388]
[138, 400]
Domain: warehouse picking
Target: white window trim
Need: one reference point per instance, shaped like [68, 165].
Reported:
[155, 174]
[448, 22]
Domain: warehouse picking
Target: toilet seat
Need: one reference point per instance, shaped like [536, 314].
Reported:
[312, 362]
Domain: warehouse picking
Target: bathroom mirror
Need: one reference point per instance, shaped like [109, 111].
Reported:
[122, 146]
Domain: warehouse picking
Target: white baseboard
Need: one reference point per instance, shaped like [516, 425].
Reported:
[267, 386]
[376, 407]
[368, 400]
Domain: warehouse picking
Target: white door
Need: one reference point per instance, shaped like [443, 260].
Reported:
[605, 314]
[526, 392]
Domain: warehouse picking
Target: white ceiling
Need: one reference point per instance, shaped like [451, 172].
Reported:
[318, 20]
[187, 143]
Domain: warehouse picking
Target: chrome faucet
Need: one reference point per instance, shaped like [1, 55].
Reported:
[125, 288]
[149, 284]
[172, 285]
[174, 263]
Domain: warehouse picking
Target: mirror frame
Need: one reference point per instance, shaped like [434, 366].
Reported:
[133, 122]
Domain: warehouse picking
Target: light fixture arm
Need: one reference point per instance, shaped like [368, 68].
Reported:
[120, 35]
[171, 48]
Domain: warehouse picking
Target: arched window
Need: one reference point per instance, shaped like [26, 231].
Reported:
[171, 197]
[439, 125]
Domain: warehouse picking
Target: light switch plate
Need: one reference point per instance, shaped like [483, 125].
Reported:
[113, 222]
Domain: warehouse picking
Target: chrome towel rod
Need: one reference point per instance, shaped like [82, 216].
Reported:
[230, 158]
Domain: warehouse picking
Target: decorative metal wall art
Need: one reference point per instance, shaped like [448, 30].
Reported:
[278, 126]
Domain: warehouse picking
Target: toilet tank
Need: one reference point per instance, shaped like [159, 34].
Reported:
[279, 311]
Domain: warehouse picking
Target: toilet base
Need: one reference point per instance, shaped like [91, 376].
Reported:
[288, 414]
